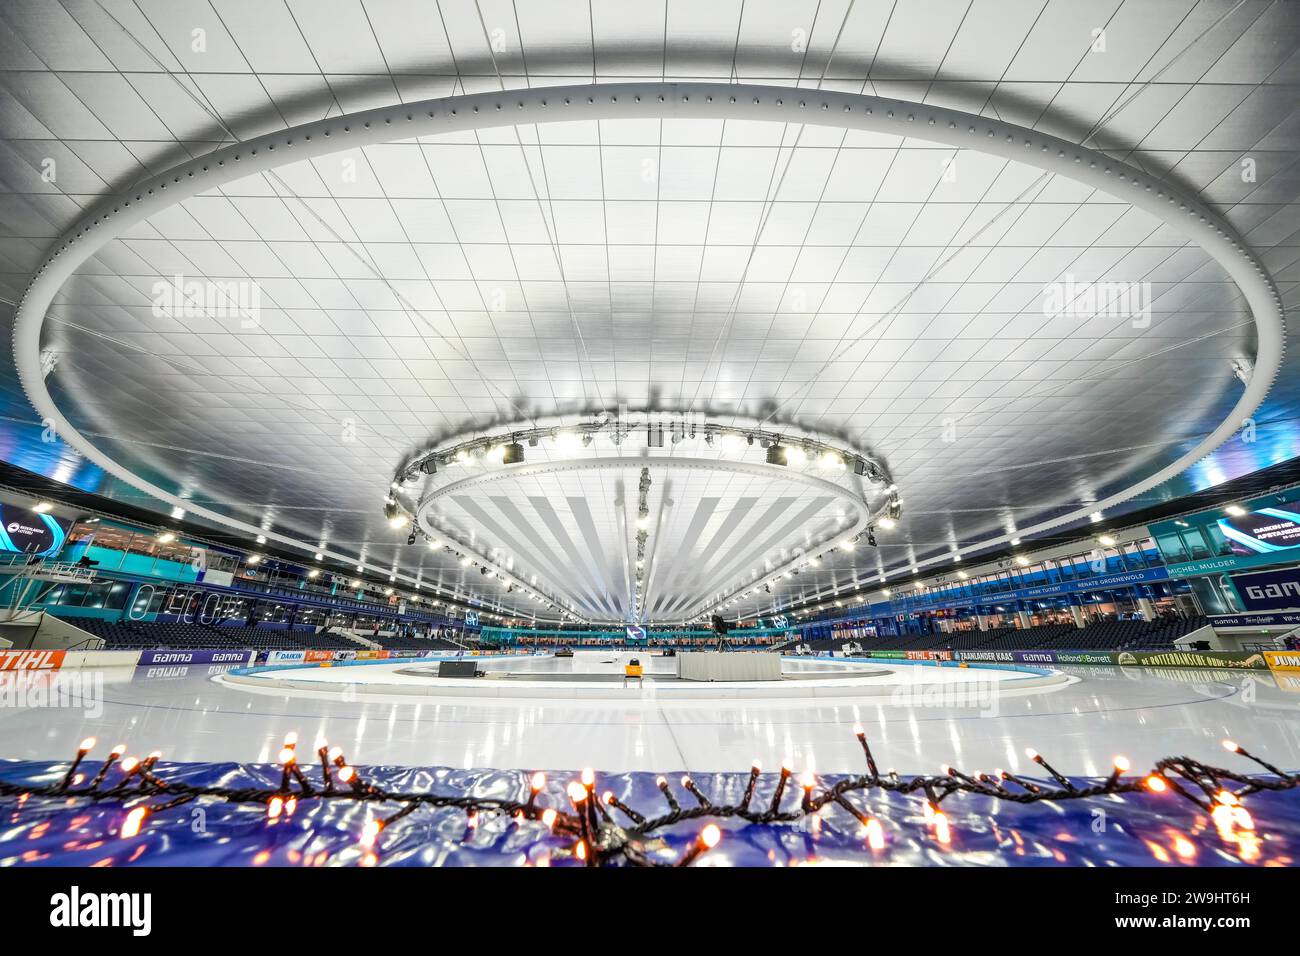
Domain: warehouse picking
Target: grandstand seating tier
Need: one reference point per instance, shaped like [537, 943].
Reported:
[1159, 634]
[1102, 635]
[397, 642]
[147, 635]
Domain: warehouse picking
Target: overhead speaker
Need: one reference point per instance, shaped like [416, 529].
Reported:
[514, 454]
[776, 455]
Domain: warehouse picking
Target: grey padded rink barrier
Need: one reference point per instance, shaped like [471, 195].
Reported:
[717, 665]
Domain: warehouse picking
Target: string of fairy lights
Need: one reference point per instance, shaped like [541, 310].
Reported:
[600, 830]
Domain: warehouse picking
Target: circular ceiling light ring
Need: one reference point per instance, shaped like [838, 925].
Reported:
[859, 525]
[458, 449]
[958, 129]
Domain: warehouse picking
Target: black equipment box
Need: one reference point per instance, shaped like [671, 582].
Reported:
[457, 669]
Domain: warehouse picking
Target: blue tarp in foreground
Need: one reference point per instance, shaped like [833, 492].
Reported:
[1145, 830]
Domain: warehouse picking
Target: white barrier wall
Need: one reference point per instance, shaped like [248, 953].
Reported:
[52, 659]
[730, 666]
[101, 658]
[57, 633]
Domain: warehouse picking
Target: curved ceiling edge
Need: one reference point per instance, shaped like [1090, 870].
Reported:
[1186, 213]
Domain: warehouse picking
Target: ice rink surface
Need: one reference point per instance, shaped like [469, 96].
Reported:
[961, 717]
[594, 676]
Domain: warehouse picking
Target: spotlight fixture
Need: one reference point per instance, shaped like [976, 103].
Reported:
[871, 538]
[42, 507]
[410, 538]
[1243, 369]
[776, 454]
[514, 454]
